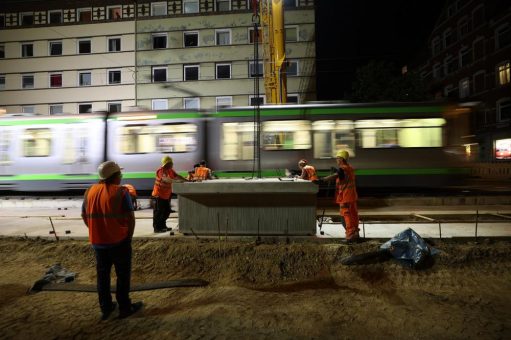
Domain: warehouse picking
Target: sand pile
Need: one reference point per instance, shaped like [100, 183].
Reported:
[273, 291]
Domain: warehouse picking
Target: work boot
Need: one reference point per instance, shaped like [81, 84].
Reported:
[134, 307]
[106, 313]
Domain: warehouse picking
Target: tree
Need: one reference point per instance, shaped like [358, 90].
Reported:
[382, 81]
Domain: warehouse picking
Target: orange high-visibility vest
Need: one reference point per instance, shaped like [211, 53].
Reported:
[202, 173]
[162, 189]
[107, 222]
[131, 190]
[345, 189]
[310, 173]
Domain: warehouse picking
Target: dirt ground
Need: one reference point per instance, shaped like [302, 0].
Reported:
[298, 290]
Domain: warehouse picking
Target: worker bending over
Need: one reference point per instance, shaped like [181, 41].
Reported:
[308, 171]
[202, 172]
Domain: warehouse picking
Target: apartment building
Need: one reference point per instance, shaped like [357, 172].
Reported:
[470, 55]
[86, 56]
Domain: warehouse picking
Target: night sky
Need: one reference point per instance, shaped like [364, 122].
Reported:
[350, 33]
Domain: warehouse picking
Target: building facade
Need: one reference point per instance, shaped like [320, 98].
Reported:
[470, 55]
[85, 56]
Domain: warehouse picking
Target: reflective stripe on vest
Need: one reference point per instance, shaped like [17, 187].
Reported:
[345, 188]
[162, 189]
[108, 223]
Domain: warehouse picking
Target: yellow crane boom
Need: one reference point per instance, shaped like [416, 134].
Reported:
[274, 51]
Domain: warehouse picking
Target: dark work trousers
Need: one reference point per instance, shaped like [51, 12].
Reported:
[161, 213]
[120, 257]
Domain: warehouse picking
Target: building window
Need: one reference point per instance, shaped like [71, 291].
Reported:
[437, 71]
[191, 6]
[114, 44]
[114, 107]
[84, 78]
[464, 88]
[436, 45]
[448, 37]
[55, 47]
[479, 81]
[478, 48]
[114, 77]
[449, 91]
[159, 104]
[27, 19]
[114, 12]
[504, 109]
[254, 71]
[28, 109]
[290, 3]
[2, 20]
[2, 81]
[191, 72]
[55, 17]
[85, 108]
[449, 65]
[159, 74]
[465, 57]
[291, 33]
[223, 5]
[292, 68]
[84, 46]
[223, 71]
[223, 37]
[159, 41]
[27, 81]
[56, 109]
[463, 27]
[223, 102]
[55, 79]
[191, 39]
[252, 35]
[478, 16]
[191, 103]
[503, 36]
[253, 100]
[27, 50]
[292, 98]
[2, 51]
[503, 72]
[84, 15]
[158, 8]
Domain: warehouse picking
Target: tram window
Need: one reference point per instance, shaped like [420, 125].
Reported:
[286, 135]
[36, 143]
[331, 136]
[237, 141]
[405, 133]
[136, 139]
[176, 137]
[162, 138]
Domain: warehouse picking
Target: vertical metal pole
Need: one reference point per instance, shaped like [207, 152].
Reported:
[477, 220]
[440, 229]
[363, 229]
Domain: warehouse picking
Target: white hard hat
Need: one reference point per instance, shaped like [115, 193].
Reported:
[107, 169]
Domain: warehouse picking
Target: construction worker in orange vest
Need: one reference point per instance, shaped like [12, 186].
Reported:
[162, 193]
[107, 211]
[346, 195]
[308, 171]
[202, 172]
[133, 194]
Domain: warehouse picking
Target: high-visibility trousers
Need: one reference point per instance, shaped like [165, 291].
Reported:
[349, 212]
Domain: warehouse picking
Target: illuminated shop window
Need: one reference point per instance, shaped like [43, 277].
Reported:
[331, 136]
[36, 143]
[504, 74]
[503, 149]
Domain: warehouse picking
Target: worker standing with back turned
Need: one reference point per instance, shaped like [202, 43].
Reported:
[107, 211]
[162, 193]
[346, 195]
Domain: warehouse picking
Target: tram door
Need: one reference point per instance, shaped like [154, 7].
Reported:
[76, 144]
[5, 151]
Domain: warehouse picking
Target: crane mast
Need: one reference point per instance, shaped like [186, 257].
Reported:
[274, 52]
